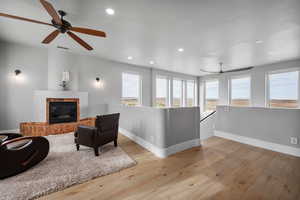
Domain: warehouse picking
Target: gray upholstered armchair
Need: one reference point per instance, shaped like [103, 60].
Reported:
[105, 131]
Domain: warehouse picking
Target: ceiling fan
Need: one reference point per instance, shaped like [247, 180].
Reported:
[61, 25]
[227, 71]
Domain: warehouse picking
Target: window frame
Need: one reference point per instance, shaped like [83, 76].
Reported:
[195, 92]
[267, 84]
[167, 88]
[204, 91]
[230, 88]
[183, 85]
[170, 79]
[140, 96]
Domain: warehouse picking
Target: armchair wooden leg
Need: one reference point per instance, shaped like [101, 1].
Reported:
[116, 143]
[96, 151]
[77, 147]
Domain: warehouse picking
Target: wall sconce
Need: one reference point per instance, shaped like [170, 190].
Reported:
[65, 80]
[17, 72]
[18, 76]
[99, 82]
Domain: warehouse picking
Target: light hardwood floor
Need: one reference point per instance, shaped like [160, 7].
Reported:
[220, 169]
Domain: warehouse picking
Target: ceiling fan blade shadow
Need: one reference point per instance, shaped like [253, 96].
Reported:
[23, 19]
[51, 37]
[88, 31]
[51, 11]
[80, 41]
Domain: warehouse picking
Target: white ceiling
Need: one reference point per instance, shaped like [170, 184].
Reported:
[210, 31]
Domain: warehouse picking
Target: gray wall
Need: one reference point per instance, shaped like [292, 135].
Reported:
[258, 84]
[182, 124]
[272, 125]
[111, 73]
[145, 122]
[162, 127]
[170, 76]
[41, 70]
[16, 96]
[61, 60]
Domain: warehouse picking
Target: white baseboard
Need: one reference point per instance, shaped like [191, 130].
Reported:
[10, 131]
[260, 143]
[158, 151]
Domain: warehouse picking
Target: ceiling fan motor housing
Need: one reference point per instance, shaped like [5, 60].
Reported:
[64, 27]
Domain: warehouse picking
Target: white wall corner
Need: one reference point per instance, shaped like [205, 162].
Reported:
[158, 151]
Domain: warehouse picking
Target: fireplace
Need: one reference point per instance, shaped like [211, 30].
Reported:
[62, 110]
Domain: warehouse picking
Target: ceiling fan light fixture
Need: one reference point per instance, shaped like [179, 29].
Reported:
[129, 57]
[180, 50]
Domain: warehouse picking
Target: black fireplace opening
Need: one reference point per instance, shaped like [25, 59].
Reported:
[62, 112]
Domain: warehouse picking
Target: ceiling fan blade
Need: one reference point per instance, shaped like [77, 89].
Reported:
[51, 11]
[51, 37]
[209, 71]
[23, 19]
[239, 70]
[80, 41]
[88, 31]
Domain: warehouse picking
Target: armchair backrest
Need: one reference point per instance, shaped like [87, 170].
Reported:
[108, 124]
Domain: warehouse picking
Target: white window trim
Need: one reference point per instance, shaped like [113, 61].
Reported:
[230, 87]
[170, 80]
[168, 89]
[182, 91]
[267, 84]
[195, 91]
[204, 90]
[140, 97]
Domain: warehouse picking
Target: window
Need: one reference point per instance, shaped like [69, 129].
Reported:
[240, 91]
[161, 92]
[211, 95]
[283, 89]
[177, 93]
[190, 93]
[131, 89]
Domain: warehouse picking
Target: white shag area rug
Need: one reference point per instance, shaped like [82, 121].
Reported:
[63, 167]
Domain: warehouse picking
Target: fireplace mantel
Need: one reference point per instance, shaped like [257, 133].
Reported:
[40, 101]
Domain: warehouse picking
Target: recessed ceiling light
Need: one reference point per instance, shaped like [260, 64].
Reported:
[258, 41]
[151, 62]
[129, 57]
[110, 11]
[180, 50]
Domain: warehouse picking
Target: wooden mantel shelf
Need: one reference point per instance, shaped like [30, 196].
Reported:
[44, 128]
